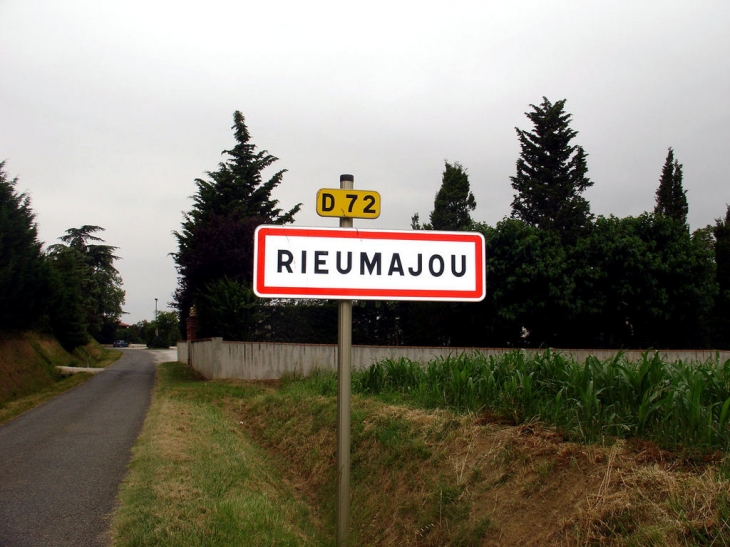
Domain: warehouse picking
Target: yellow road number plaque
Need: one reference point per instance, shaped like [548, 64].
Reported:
[335, 202]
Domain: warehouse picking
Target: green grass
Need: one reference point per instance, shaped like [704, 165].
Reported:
[196, 479]
[254, 463]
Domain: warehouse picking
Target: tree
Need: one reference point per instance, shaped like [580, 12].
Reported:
[671, 198]
[530, 297]
[551, 174]
[721, 313]
[71, 297]
[439, 323]
[22, 269]
[453, 203]
[94, 272]
[163, 332]
[214, 260]
[645, 282]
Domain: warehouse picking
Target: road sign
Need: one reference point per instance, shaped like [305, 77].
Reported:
[335, 202]
[292, 262]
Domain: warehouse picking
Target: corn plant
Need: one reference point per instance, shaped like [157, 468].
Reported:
[675, 404]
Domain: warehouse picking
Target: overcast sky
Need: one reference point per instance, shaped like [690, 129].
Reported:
[110, 110]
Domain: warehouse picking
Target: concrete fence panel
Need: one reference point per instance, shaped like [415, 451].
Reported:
[216, 359]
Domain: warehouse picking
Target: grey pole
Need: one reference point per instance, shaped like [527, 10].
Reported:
[344, 368]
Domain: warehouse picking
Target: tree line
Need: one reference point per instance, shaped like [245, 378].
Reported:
[557, 275]
[71, 289]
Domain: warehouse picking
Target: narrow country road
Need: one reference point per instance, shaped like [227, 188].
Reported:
[61, 464]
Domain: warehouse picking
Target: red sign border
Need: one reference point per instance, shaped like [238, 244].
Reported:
[471, 295]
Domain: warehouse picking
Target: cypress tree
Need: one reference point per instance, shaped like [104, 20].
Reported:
[454, 200]
[671, 198]
[443, 323]
[452, 204]
[551, 174]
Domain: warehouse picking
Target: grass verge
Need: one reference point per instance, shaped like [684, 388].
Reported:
[241, 463]
[196, 479]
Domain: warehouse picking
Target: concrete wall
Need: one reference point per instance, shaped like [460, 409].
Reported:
[216, 359]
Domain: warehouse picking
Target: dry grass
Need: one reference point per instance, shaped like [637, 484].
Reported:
[434, 478]
[195, 479]
[419, 478]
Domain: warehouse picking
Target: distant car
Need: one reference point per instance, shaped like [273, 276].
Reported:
[120, 344]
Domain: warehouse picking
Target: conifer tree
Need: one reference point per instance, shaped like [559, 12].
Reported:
[453, 202]
[98, 281]
[671, 198]
[442, 322]
[21, 260]
[215, 245]
[551, 173]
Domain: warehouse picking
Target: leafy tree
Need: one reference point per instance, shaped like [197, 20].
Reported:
[633, 282]
[530, 297]
[671, 198]
[96, 276]
[551, 174]
[164, 331]
[644, 282]
[453, 203]
[215, 245]
[134, 334]
[22, 269]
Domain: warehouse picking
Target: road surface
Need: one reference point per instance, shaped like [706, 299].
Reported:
[61, 464]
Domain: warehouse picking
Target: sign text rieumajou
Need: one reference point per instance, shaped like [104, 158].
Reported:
[295, 262]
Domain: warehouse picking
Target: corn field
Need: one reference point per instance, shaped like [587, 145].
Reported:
[677, 405]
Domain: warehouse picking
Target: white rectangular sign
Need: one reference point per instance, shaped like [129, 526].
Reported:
[349, 263]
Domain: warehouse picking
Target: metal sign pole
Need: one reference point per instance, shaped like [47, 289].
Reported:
[344, 368]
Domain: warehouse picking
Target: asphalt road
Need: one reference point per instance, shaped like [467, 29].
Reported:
[61, 464]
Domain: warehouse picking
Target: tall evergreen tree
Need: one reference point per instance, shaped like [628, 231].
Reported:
[454, 201]
[215, 245]
[671, 198]
[551, 173]
[442, 323]
[21, 261]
